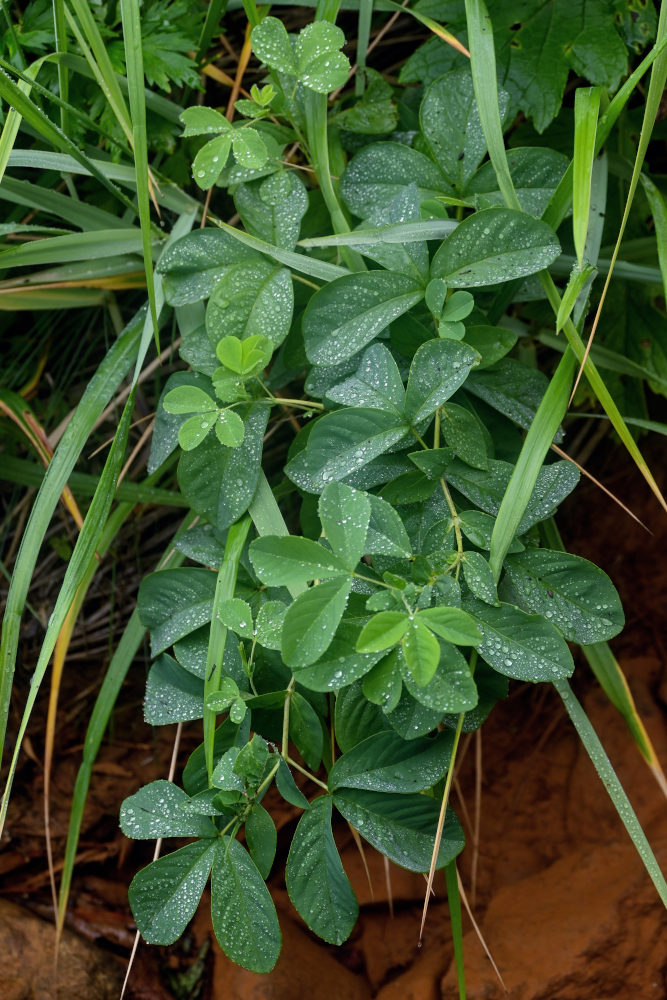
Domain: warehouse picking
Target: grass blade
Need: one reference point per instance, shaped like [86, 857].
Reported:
[456, 923]
[314, 268]
[573, 290]
[60, 31]
[609, 779]
[586, 111]
[77, 246]
[659, 213]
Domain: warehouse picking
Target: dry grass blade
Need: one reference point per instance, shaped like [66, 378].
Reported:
[362, 853]
[589, 475]
[478, 932]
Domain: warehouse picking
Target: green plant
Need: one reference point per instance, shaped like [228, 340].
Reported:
[422, 570]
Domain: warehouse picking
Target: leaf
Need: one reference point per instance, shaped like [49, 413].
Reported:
[355, 717]
[237, 616]
[421, 651]
[210, 160]
[464, 434]
[203, 121]
[535, 173]
[511, 388]
[305, 730]
[174, 602]
[261, 838]
[269, 624]
[271, 45]
[386, 763]
[272, 208]
[341, 443]
[172, 694]
[497, 244]
[452, 624]
[316, 881]
[155, 811]
[491, 342]
[432, 461]
[450, 689]
[380, 173]
[321, 67]
[287, 787]
[450, 124]
[401, 826]
[348, 313]
[438, 369]
[165, 894]
[253, 298]
[249, 148]
[193, 265]
[479, 577]
[229, 428]
[244, 357]
[341, 664]
[571, 592]
[386, 533]
[281, 561]
[409, 257]
[244, 917]
[188, 399]
[376, 384]
[311, 621]
[526, 647]
[218, 482]
[478, 528]
[383, 631]
[345, 514]
[382, 684]
[194, 430]
[410, 719]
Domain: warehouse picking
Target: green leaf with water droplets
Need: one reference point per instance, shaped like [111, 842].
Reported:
[203, 121]
[172, 693]
[451, 624]
[380, 172]
[450, 689]
[376, 384]
[193, 265]
[345, 514]
[194, 430]
[479, 577]
[438, 369]
[165, 894]
[174, 602]
[464, 433]
[155, 811]
[252, 299]
[281, 561]
[386, 533]
[316, 881]
[288, 788]
[244, 917]
[340, 665]
[305, 730]
[261, 838]
[272, 208]
[249, 148]
[237, 616]
[516, 644]
[421, 651]
[188, 399]
[311, 621]
[401, 826]
[271, 45]
[321, 67]
[383, 631]
[269, 624]
[386, 763]
[498, 244]
[571, 592]
[349, 312]
[210, 160]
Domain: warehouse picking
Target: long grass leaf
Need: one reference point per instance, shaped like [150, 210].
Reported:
[456, 924]
[586, 111]
[314, 268]
[76, 246]
[60, 32]
[77, 213]
[135, 78]
[609, 779]
[659, 213]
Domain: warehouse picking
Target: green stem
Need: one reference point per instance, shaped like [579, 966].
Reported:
[302, 770]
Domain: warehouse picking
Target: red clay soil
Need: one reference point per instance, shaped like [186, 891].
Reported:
[562, 900]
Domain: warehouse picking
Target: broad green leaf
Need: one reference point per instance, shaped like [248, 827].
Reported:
[165, 894]
[382, 684]
[345, 515]
[450, 124]
[438, 369]
[229, 428]
[218, 482]
[516, 644]
[401, 826]
[321, 67]
[478, 528]
[380, 172]
[535, 172]
[273, 208]
[305, 730]
[386, 533]
[167, 425]
[383, 631]
[491, 342]
[194, 430]
[261, 838]
[253, 298]
[497, 244]
[172, 693]
[269, 624]
[155, 811]
[193, 265]
[408, 256]
[220, 701]
[410, 719]
[351, 311]
[271, 45]
[188, 399]
[376, 384]
[316, 881]
[450, 689]
[570, 591]
[249, 148]
[244, 917]
[511, 388]
[237, 616]
[451, 624]
[432, 461]
[203, 121]
[287, 787]
[464, 434]
[479, 577]
[174, 602]
[252, 761]
[355, 717]
[247, 356]
[311, 621]
[386, 763]
[281, 561]
[224, 776]
[421, 651]
[340, 665]
[341, 443]
[210, 160]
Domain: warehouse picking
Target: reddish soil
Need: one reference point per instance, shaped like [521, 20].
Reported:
[562, 900]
